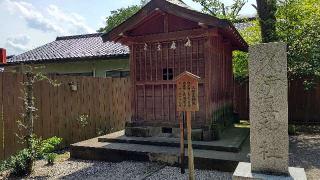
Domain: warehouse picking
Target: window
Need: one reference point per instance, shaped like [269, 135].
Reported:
[167, 74]
[117, 73]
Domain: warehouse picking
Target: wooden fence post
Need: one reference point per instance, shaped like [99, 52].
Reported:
[1, 134]
[1, 121]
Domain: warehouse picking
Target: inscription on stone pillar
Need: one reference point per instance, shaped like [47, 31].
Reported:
[268, 108]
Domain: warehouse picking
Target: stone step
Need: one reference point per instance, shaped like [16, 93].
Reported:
[204, 159]
[231, 140]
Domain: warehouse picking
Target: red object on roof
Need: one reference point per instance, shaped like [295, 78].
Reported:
[3, 56]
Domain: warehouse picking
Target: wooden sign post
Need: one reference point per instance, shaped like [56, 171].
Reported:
[181, 122]
[187, 101]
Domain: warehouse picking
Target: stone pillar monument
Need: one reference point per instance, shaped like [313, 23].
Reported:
[268, 89]
[268, 93]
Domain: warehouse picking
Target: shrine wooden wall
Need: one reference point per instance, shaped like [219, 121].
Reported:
[220, 81]
[154, 98]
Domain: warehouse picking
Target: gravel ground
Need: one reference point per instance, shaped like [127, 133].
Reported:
[304, 152]
[174, 173]
[78, 169]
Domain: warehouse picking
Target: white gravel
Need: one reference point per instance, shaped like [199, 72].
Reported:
[174, 173]
[78, 169]
[304, 152]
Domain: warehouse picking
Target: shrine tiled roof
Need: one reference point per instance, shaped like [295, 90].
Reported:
[73, 48]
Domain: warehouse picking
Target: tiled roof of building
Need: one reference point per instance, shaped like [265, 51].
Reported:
[180, 3]
[79, 47]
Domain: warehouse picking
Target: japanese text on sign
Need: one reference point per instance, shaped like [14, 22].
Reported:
[187, 93]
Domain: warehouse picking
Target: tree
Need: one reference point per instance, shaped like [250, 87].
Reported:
[266, 11]
[298, 23]
[299, 26]
[219, 9]
[120, 15]
[252, 35]
[26, 124]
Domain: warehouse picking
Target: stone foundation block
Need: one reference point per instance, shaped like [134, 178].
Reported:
[142, 131]
[196, 134]
[243, 172]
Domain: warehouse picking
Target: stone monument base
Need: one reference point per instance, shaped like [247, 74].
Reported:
[243, 172]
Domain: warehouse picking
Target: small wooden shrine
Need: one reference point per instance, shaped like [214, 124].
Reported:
[166, 38]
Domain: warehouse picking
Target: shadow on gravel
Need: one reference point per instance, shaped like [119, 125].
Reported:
[305, 151]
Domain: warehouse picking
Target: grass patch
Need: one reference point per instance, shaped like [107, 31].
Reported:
[63, 156]
[242, 124]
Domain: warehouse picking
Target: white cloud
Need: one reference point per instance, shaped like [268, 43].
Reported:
[50, 19]
[21, 39]
[102, 22]
[34, 18]
[73, 19]
[18, 44]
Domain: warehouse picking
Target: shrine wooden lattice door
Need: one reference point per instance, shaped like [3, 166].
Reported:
[154, 65]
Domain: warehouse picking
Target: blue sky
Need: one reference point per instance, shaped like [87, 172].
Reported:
[27, 24]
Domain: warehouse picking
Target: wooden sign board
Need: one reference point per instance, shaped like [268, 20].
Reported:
[187, 92]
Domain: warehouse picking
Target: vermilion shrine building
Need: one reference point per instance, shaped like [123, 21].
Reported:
[166, 38]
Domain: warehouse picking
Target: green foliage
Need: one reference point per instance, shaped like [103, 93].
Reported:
[50, 157]
[19, 163]
[309, 84]
[292, 129]
[101, 131]
[26, 123]
[47, 147]
[118, 16]
[251, 34]
[240, 65]
[299, 26]
[220, 10]
[50, 145]
[240, 59]
[83, 120]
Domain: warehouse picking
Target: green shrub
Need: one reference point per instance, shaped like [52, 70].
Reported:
[50, 157]
[20, 163]
[3, 166]
[292, 129]
[48, 146]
